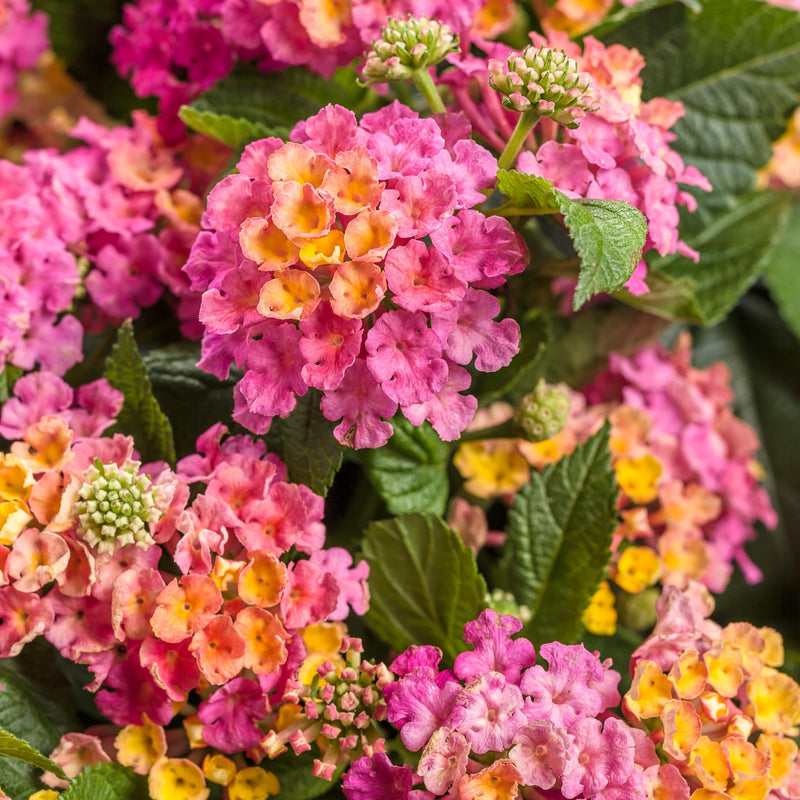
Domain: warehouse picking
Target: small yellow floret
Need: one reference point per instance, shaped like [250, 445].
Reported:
[218, 768]
[140, 746]
[600, 616]
[177, 779]
[638, 477]
[637, 569]
[253, 783]
[492, 467]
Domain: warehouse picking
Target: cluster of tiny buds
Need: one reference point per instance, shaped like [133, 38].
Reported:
[545, 81]
[505, 603]
[116, 506]
[407, 46]
[340, 711]
[543, 412]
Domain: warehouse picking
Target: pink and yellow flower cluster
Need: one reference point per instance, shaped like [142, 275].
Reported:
[498, 722]
[684, 462]
[715, 704]
[175, 606]
[349, 260]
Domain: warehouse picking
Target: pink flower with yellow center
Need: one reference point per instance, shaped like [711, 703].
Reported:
[219, 650]
[319, 219]
[184, 606]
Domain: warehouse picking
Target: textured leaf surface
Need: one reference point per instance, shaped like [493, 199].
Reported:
[14, 747]
[410, 471]
[236, 132]
[32, 711]
[782, 270]
[735, 66]
[276, 101]
[424, 583]
[608, 234]
[107, 782]
[141, 416]
[306, 444]
[192, 399]
[559, 537]
[734, 250]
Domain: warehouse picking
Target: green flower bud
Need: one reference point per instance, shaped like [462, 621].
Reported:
[116, 507]
[407, 46]
[545, 81]
[542, 413]
[638, 611]
[505, 603]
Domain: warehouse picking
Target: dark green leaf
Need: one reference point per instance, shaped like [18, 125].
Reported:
[735, 66]
[410, 471]
[192, 399]
[424, 583]
[559, 537]
[141, 416]
[306, 444]
[107, 782]
[627, 13]
[236, 132]
[297, 782]
[9, 375]
[275, 101]
[32, 711]
[608, 234]
[14, 747]
[734, 250]
[782, 273]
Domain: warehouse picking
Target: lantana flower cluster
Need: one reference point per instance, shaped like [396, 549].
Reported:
[716, 705]
[350, 260]
[685, 465]
[176, 49]
[621, 151]
[498, 722]
[203, 609]
[113, 219]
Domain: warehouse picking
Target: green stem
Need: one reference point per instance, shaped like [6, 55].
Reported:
[423, 81]
[525, 123]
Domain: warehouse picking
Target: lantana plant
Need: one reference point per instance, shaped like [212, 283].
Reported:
[396, 399]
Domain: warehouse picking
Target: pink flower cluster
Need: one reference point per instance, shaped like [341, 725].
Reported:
[708, 486]
[157, 595]
[23, 38]
[620, 152]
[349, 260]
[498, 722]
[117, 215]
[176, 49]
[716, 704]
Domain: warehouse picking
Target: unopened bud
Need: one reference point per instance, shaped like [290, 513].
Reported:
[542, 413]
[543, 80]
[407, 46]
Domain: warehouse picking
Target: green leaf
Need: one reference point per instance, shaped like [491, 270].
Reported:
[192, 399]
[107, 782]
[33, 712]
[410, 470]
[734, 250]
[305, 443]
[9, 375]
[608, 234]
[559, 538]
[14, 747]
[781, 270]
[296, 780]
[275, 101]
[424, 583]
[141, 416]
[735, 66]
[627, 13]
[236, 132]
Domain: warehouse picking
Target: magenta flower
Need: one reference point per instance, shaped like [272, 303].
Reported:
[488, 712]
[229, 716]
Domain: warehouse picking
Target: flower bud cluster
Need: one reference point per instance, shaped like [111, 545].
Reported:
[406, 46]
[543, 80]
[116, 507]
[543, 412]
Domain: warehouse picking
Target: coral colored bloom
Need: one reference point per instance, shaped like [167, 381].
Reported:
[219, 650]
[185, 606]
